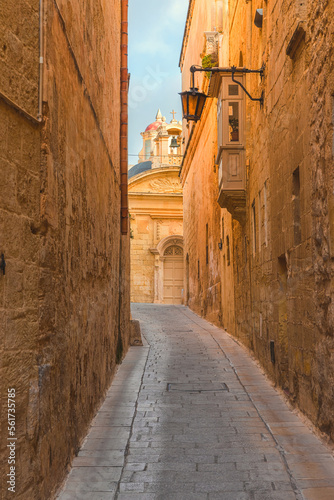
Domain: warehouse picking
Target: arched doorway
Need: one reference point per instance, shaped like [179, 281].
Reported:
[173, 275]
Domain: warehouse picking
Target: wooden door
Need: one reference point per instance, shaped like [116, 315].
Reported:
[173, 275]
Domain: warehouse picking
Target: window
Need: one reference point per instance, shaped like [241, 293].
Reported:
[265, 214]
[228, 253]
[233, 120]
[254, 226]
[246, 249]
[333, 125]
[220, 128]
[283, 272]
[147, 149]
[174, 251]
[231, 130]
[297, 235]
[260, 222]
[233, 89]
[231, 112]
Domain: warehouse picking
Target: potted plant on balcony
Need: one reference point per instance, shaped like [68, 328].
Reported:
[234, 129]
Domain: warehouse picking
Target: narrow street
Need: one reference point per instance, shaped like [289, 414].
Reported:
[190, 416]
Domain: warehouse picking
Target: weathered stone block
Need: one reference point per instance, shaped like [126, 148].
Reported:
[8, 192]
[28, 193]
[22, 330]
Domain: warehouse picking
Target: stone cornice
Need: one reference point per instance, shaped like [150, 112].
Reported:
[153, 172]
[134, 194]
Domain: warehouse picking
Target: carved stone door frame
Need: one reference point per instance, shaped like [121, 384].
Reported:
[159, 252]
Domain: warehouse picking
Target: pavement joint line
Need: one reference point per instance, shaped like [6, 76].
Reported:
[127, 448]
[297, 491]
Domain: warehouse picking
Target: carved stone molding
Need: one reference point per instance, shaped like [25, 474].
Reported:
[166, 186]
[212, 43]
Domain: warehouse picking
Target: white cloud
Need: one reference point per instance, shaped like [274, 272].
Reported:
[177, 9]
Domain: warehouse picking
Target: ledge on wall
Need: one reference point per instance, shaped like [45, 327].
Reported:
[135, 333]
[235, 202]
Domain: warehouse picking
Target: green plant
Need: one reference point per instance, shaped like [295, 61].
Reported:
[209, 61]
[234, 122]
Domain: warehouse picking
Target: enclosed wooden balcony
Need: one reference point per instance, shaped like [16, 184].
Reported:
[232, 183]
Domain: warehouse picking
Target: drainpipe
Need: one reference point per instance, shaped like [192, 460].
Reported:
[41, 61]
[124, 118]
[248, 128]
[123, 175]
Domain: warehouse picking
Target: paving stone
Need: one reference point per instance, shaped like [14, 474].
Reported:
[103, 461]
[86, 495]
[191, 440]
[276, 495]
[105, 431]
[163, 496]
[84, 487]
[231, 495]
[174, 466]
[219, 486]
[137, 487]
[135, 467]
[94, 474]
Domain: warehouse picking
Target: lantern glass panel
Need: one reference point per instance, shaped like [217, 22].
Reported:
[200, 104]
[184, 101]
[192, 103]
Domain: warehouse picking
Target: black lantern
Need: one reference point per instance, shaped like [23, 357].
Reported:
[192, 104]
[193, 101]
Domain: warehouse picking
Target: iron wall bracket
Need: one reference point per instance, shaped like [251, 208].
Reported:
[232, 70]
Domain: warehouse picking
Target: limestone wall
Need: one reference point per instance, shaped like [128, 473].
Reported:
[280, 305]
[282, 257]
[64, 301]
[320, 221]
[209, 282]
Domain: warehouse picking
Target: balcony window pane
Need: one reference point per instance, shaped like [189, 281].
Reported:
[233, 118]
[233, 90]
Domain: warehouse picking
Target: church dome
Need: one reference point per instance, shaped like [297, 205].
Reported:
[140, 168]
[153, 126]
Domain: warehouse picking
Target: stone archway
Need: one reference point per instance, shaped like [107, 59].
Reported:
[172, 269]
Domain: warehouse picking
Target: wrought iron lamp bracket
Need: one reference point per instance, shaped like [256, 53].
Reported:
[232, 70]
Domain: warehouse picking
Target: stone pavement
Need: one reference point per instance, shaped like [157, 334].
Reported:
[191, 417]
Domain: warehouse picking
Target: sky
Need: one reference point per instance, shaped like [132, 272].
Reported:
[156, 30]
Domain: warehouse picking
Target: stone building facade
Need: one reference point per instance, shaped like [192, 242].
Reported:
[156, 216]
[263, 176]
[64, 292]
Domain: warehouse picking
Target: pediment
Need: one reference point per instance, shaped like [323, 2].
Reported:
[163, 181]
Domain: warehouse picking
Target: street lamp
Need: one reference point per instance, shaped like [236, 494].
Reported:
[192, 104]
[193, 101]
